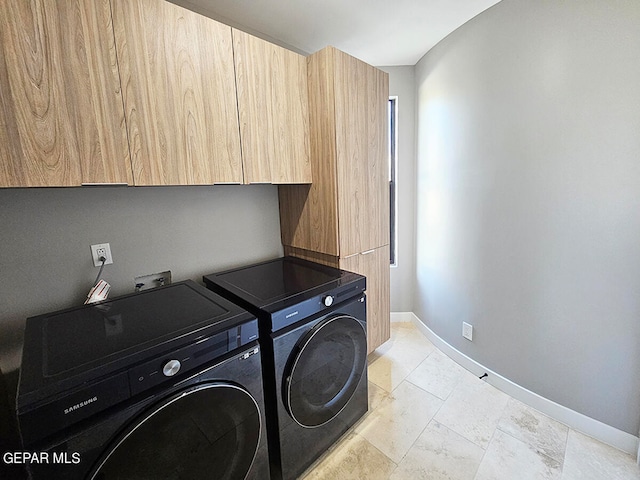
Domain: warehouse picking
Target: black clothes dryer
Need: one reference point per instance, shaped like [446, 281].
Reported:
[162, 384]
[313, 336]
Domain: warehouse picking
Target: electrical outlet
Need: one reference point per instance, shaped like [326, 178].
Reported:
[101, 250]
[467, 331]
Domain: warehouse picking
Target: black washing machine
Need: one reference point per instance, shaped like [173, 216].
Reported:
[313, 336]
[162, 384]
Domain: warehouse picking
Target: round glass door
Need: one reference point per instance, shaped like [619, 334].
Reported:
[211, 430]
[325, 370]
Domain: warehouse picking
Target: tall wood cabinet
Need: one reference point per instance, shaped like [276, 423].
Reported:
[177, 74]
[273, 107]
[342, 219]
[61, 115]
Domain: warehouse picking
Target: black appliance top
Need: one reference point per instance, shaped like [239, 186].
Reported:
[66, 348]
[275, 285]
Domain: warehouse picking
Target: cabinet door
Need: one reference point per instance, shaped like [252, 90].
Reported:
[361, 103]
[179, 94]
[374, 265]
[273, 105]
[61, 115]
[309, 215]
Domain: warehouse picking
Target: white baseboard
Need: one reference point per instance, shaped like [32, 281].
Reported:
[612, 436]
[403, 317]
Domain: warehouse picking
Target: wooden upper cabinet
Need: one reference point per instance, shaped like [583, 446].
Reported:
[361, 99]
[61, 115]
[177, 75]
[273, 109]
[346, 209]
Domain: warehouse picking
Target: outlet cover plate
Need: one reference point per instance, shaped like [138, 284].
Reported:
[98, 250]
[467, 331]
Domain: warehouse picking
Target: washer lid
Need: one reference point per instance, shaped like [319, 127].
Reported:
[63, 349]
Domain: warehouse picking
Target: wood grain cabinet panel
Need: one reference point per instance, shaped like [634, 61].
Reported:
[362, 151]
[346, 209]
[61, 114]
[273, 108]
[177, 73]
[374, 265]
[309, 216]
[342, 219]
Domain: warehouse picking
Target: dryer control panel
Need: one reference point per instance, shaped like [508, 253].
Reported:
[319, 303]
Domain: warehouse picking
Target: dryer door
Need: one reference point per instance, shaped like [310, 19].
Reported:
[210, 430]
[324, 370]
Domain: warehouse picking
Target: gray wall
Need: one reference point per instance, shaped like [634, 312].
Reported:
[528, 199]
[45, 257]
[402, 84]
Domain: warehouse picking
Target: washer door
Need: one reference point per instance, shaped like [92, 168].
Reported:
[211, 430]
[324, 370]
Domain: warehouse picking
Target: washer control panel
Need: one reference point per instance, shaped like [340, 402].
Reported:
[185, 359]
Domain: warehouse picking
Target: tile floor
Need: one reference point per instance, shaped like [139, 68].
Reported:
[429, 418]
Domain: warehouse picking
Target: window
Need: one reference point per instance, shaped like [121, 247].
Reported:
[393, 164]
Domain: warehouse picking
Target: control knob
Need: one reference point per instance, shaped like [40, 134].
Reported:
[171, 368]
[328, 301]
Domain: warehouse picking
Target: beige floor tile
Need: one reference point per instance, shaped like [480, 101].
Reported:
[354, 459]
[510, 458]
[397, 363]
[408, 336]
[546, 435]
[395, 425]
[413, 337]
[387, 373]
[440, 454]
[399, 429]
[588, 459]
[376, 396]
[437, 374]
[418, 341]
[398, 328]
[473, 410]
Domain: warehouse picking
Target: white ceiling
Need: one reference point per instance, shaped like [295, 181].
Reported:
[380, 32]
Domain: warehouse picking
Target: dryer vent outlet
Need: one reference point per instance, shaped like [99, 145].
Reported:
[145, 282]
